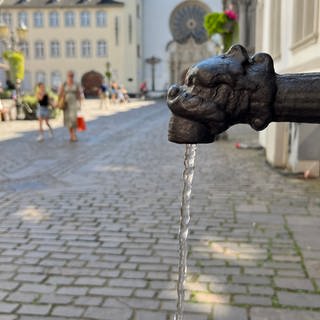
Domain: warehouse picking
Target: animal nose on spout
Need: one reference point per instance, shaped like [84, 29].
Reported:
[173, 91]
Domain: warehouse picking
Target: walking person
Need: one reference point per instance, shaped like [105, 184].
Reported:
[104, 96]
[143, 90]
[43, 111]
[72, 97]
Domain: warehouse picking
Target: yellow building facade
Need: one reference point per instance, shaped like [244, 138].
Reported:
[82, 36]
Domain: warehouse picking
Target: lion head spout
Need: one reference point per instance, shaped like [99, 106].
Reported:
[222, 91]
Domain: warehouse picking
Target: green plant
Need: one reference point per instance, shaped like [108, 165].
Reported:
[16, 64]
[223, 23]
[6, 94]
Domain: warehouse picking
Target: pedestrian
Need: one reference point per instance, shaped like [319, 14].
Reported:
[143, 90]
[122, 94]
[114, 91]
[43, 111]
[104, 96]
[72, 97]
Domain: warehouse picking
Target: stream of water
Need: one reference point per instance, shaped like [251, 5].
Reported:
[189, 162]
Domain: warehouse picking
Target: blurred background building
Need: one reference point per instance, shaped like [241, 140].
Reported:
[173, 31]
[86, 35]
[82, 36]
[289, 31]
[156, 41]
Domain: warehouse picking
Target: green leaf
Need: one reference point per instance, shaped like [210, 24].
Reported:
[215, 23]
[16, 64]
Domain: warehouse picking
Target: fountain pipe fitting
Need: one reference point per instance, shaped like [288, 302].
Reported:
[233, 88]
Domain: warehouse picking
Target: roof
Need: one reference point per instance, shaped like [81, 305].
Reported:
[16, 4]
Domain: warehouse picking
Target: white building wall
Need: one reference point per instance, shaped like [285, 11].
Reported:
[292, 59]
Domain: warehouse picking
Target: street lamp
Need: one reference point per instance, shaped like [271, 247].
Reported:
[153, 61]
[15, 57]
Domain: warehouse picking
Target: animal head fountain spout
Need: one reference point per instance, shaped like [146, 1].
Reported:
[222, 91]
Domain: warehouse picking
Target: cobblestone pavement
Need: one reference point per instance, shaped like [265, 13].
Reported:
[89, 230]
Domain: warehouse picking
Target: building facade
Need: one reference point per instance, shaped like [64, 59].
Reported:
[82, 36]
[162, 40]
[289, 31]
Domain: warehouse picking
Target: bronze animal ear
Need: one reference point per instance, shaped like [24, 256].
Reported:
[264, 61]
[239, 53]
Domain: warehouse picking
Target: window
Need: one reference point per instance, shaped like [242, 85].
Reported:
[85, 48]
[275, 35]
[54, 49]
[130, 28]
[138, 11]
[304, 21]
[85, 19]
[39, 50]
[102, 48]
[116, 30]
[23, 18]
[56, 79]
[38, 19]
[138, 51]
[70, 49]
[54, 19]
[7, 18]
[40, 77]
[101, 19]
[24, 46]
[69, 19]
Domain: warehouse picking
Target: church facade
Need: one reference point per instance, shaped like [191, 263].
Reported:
[173, 32]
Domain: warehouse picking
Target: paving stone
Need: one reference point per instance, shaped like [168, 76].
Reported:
[261, 290]
[132, 283]
[88, 301]
[7, 307]
[146, 304]
[56, 280]
[108, 313]
[112, 292]
[252, 300]
[293, 283]
[35, 278]
[34, 309]
[283, 314]
[227, 288]
[229, 313]
[55, 299]
[68, 311]
[147, 315]
[8, 285]
[8, 317]
[37, 288]
[75, 291]
[144, 293]
[90, 281]
[22, 297]
[305, 300]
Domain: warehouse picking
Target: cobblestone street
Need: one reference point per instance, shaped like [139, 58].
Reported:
[88, 230]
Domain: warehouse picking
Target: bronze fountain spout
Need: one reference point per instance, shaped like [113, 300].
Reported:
[233, 88]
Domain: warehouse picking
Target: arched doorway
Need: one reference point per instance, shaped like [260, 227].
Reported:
[91, 82]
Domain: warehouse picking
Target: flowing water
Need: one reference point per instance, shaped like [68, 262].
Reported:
[189, 161]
